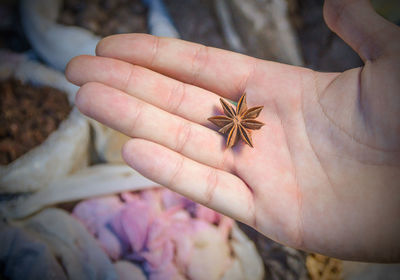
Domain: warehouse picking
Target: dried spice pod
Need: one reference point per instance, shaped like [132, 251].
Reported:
[238, 122]
[323, 268]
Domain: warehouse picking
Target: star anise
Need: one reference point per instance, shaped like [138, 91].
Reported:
[238, 122]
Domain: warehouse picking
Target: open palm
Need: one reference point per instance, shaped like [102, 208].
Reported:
[324, 169]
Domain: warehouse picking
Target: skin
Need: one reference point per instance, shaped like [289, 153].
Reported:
[324, 174]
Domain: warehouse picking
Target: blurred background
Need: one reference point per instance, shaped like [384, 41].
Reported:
[38, 122]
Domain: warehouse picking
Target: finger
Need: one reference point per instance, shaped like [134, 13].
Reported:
[136, 118]
[222, 72]
[190, 102]
[356, 22]
[211, 187]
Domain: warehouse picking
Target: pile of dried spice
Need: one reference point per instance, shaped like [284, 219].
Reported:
[323, 268]
[28, 114]
[105, 17]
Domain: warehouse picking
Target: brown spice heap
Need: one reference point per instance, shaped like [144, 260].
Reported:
[28, 114]
[105, 17]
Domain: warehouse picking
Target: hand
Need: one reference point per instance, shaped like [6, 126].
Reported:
[324, 174]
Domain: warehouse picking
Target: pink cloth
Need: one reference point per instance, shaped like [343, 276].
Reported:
[96, 214]
[153, 227]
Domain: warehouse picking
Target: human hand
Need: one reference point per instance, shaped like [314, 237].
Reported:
[324, 172]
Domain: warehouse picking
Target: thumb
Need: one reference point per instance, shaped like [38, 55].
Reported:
[357, 23]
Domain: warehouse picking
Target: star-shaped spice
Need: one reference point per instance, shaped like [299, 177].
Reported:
[238, 122]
